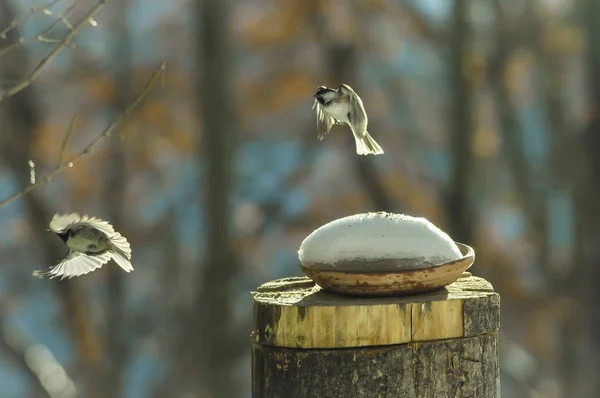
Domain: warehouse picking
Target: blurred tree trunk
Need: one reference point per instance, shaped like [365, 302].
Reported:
[116, 326]
[459, 206]
[215, 344]
[589, 195]
[564, 171]
[341, 54]
[531, 192]
[343, 63]
[20, 117]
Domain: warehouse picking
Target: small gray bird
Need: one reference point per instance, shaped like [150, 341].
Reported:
[344, 106]
[92, 243]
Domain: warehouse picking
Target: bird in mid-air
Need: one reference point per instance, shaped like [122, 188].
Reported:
[92, 243]
[344, 106]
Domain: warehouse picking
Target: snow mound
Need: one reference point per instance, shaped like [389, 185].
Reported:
[377, 242]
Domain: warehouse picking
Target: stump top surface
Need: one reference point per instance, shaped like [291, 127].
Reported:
[295, 312]
[302, 291]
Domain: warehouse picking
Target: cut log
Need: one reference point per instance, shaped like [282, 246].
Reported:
[310, 343]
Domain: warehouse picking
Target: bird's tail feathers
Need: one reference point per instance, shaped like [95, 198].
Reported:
[121, 259]
[366, 145]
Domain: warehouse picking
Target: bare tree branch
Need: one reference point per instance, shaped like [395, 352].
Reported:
[63, 147]
[60, 18]
[32, 11]
[50, 56]
[105, 134]
[41, 37]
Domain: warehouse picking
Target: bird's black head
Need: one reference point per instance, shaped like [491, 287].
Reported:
[324, 94]
[64, 235]
[322, 90]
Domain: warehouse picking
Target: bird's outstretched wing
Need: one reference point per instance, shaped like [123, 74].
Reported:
[75, 264]
[60, 222]
[359, 121]
[324, 121]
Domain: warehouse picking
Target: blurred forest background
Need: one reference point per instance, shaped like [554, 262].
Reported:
[488, 112]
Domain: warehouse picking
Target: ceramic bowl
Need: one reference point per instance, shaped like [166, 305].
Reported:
[393, 283]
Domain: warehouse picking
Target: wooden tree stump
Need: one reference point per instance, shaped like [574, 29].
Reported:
[309, 343]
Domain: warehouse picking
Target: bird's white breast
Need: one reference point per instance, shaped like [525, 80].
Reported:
[338, 111]
[81, 244]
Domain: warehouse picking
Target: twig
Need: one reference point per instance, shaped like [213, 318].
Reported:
[22, 41]
[62, 18]
[105, 134]
[61, 154]
[17, 21]
[41, 37]
[46, 60]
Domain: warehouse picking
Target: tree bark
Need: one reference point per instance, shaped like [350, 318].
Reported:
[309, 343]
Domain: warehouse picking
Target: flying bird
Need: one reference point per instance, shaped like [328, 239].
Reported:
[92, 243]
[344, 106]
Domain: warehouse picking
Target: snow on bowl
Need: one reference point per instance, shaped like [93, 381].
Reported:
[374, 242]
[382, 254]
